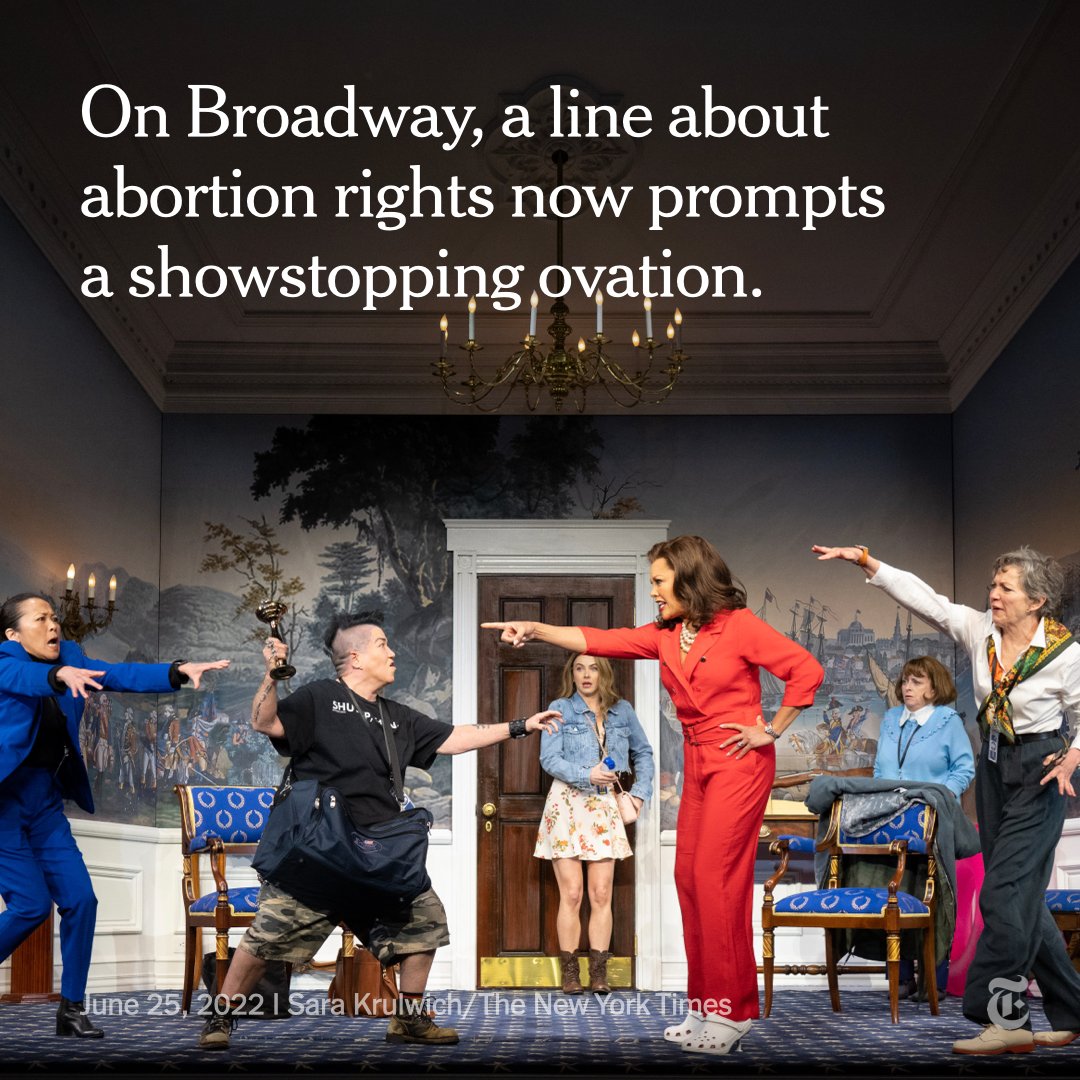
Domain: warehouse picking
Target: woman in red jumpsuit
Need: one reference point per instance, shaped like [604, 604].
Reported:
[710, 647]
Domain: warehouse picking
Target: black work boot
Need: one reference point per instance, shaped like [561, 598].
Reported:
[71, 1019]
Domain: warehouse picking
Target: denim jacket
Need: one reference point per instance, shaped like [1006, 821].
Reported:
[571, 752]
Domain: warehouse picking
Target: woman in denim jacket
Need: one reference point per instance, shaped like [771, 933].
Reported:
[581, 820]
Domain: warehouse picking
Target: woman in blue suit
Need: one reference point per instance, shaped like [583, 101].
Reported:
[924, 739]
[44, 683]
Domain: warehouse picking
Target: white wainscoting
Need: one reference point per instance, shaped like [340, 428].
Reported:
[139, 944]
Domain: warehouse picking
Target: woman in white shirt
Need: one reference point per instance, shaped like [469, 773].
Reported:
[1026, 675]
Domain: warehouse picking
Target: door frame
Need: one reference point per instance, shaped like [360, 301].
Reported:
[544, 546]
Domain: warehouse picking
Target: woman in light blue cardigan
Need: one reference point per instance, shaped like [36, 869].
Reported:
[924, 739]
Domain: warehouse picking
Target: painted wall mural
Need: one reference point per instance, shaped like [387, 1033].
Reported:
[346, 512]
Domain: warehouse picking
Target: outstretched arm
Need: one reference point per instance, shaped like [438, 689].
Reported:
[518, 632]
[961, 623]
[467, 737]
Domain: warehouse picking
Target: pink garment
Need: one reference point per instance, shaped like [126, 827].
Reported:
[969, 923]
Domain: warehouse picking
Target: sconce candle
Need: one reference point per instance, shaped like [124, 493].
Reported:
[112, 589]
[472, 318]
[599, 312]
[648, 319]
[443, 324]
[91, 587]
[533, 301]
[70, 580]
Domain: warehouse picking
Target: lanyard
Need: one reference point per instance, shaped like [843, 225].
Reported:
[907, 745]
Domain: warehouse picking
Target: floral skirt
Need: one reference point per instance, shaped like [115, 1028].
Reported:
[580, 825]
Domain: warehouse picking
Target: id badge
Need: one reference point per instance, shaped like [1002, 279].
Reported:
[991, 752]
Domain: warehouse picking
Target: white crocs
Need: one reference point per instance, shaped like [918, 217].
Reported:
[690, 1026]
[717, 1036]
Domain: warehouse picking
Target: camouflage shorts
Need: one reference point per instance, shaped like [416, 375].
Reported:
[286, 929]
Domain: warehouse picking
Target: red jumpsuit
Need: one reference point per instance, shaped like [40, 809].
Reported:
[723, 798]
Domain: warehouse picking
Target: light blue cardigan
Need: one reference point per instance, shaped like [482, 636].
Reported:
[940, 751]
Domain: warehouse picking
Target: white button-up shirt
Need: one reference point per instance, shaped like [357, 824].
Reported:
[1038, 701]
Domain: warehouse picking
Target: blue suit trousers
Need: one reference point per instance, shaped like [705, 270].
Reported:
[39, 864]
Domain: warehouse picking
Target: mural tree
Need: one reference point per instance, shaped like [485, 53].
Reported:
[256, 557]
[348, 565]
[394, 480]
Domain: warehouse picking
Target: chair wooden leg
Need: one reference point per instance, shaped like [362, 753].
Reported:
[222, 966]
[830, 968]
[767, 941]
[892, 966]
[348, 973]
[930, 968]
[191, 964]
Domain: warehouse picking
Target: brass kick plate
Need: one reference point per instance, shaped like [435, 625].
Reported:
[531, 972]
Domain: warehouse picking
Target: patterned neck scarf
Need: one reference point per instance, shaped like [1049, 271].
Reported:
[996, 712]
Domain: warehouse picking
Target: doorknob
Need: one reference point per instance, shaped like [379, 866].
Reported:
[488, 809]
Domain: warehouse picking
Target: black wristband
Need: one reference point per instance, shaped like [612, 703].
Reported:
[177, 678]
[518, 730]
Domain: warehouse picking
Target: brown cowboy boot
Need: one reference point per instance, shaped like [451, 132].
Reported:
[571, 976]
[598, 983]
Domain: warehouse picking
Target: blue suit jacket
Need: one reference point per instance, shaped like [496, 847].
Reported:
[24, 681]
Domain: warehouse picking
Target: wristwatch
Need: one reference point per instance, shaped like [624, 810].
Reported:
[770, 730]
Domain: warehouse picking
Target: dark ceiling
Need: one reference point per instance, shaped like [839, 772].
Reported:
[963, 114]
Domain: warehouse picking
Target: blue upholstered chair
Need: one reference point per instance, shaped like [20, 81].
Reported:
[889, 910]
[217, 823]
[1064, 905]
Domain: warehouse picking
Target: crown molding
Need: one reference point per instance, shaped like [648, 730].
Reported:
[1015, 285]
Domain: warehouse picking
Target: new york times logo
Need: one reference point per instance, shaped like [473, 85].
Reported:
[1007, 1008]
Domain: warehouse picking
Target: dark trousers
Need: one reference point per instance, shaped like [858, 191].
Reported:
[1020, 825]
[39, 864]
[941, 973]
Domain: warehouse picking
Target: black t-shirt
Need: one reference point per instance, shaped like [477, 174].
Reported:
[330, 742]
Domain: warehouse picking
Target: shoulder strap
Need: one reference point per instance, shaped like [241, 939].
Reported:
[392, 754]
[391, 746]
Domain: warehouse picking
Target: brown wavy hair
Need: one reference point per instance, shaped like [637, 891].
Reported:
[941, 684]
[605, 682]
[704, 584]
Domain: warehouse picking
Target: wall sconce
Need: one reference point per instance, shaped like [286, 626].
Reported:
[73, 624]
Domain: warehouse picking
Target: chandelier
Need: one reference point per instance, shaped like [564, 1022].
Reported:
[73, 624]
[565, 373]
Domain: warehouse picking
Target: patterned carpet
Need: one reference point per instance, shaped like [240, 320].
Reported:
[518, 1033]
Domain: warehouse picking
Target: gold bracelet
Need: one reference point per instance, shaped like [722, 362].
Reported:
[864, 556]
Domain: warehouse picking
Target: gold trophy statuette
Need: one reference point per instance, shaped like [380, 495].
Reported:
[270, 612]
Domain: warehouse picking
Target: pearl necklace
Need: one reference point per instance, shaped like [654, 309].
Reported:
[686, 637]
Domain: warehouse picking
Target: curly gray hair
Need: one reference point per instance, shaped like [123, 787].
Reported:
[1040, 576]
